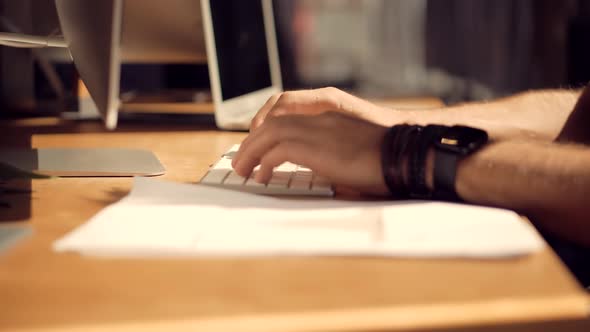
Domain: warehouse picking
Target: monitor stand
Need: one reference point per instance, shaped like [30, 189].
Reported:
[84, 162]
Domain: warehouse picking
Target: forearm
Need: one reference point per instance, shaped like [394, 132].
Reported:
[536, 114]
[549, 183]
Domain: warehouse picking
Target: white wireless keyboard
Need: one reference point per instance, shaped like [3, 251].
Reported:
[287, 179]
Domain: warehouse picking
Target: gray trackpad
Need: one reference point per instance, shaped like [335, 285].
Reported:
[84, 162]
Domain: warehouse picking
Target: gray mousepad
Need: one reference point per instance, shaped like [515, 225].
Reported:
[10, 235]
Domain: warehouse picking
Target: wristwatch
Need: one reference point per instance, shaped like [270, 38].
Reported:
[450, 146]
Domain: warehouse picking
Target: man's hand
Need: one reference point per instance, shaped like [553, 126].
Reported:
[342, 148]
[313, 102]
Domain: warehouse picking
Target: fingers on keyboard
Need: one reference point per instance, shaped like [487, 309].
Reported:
[286, 179]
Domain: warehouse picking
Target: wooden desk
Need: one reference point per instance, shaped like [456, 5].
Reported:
[41, 290]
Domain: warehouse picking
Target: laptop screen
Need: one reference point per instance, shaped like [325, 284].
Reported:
[242, 49]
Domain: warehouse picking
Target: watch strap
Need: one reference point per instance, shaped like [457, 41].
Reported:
[418, 186]
[445, 172]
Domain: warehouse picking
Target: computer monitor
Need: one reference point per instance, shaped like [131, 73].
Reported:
[241, 48]
[92, 30]
[243, 59]
[101, 35]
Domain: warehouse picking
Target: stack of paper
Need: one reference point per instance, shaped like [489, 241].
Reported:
[161, 219]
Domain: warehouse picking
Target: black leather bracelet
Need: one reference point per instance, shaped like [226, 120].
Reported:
[393, 151]
[413, 162]
[387, 147]
[403, 145]
[404, 148]
[418, 186]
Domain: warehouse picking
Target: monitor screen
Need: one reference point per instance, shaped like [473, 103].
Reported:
[242, 49]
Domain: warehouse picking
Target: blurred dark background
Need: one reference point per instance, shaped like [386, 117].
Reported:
[457, 50]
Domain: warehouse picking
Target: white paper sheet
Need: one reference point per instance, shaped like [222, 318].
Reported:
[168, 219]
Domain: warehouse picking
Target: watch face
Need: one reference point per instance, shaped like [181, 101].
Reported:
[462, 140]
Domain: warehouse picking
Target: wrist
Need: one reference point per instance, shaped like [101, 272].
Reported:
[421, 162]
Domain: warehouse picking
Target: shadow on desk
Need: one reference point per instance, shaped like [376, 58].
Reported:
[577, 325]
[16, 130]
[15, 195]
[15, 200]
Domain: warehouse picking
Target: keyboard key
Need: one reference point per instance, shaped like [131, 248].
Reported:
[232, 151]
[303, 185]
[304, 174]
[303, 169]
[233, 179]
[279, 179]
[301, 180]
[252, 183]
[215, 176]
[286, 167]
[223, 163]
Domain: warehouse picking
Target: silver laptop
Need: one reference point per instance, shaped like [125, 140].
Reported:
[243, 59]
